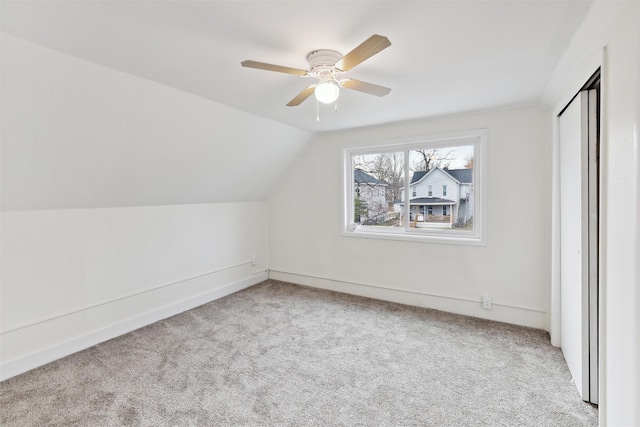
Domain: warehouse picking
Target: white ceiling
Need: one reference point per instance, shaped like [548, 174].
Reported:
[446, 56]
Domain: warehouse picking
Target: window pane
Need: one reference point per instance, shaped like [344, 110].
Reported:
[441, 188]
[377, 180]
[417, 190]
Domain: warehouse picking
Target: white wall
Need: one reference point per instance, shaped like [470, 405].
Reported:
[123, 202]
[72, 278]
[610, 37]
[306, 245]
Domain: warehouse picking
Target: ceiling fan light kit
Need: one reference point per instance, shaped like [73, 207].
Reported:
[326, 66]
[327, 92]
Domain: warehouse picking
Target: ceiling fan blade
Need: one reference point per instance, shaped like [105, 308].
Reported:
[364, 51]
[365, 87]
[272, 67]
[302, 96]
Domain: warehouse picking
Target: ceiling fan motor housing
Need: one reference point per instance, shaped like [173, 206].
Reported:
[323, 61]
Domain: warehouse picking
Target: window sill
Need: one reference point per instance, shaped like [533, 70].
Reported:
[467, 239]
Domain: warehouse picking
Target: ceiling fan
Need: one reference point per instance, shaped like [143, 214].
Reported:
[327, 66]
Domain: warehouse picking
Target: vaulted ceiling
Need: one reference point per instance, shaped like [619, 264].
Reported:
[446, 56]
[137, 103]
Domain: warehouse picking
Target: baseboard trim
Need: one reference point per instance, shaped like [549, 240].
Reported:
[523, 316]
[122, 297]
[41, 357]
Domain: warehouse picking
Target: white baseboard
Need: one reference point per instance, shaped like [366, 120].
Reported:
[524, 316]
[41, 357]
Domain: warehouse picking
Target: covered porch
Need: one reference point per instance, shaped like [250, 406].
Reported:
[430, 212]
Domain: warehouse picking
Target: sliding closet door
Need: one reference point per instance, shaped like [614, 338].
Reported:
[578, 242]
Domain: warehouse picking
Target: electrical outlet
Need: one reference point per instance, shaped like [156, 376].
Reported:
[486, 303]
[254, 260]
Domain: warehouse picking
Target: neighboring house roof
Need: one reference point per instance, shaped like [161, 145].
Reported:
[417, 176]
[429, 201]
[362, 177]
[463, 176]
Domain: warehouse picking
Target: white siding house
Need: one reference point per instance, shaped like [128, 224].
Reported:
[440, 197]
[370, 198]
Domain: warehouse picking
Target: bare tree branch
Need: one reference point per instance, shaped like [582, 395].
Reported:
[433, 158]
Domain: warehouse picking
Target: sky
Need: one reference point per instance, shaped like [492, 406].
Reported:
[455, 156]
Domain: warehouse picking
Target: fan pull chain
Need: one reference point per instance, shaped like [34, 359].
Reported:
[317, 110]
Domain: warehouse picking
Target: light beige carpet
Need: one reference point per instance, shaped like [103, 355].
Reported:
[281, 354]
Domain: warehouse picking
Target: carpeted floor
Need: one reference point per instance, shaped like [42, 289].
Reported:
[281, 354]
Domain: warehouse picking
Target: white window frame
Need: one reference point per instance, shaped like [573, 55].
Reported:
[477, 236]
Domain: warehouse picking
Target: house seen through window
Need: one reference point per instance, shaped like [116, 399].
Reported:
[421, 190]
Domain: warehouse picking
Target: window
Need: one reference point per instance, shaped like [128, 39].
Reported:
[384, 187]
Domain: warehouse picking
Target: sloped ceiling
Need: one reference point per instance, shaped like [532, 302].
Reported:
[79, 135]
[446, 56]
[130, 103]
